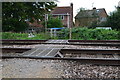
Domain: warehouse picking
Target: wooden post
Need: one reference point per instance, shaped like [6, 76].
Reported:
[71, 20]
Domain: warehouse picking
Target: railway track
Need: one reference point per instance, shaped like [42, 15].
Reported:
[95, 42]
[103, 41]
[115, 43]
[94, 51]
[72, 54]
[48, 51]
[90, 53]
[98, 51]
[14, 50]
[22, 42]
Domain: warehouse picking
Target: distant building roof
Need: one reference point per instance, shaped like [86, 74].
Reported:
[61, 10]
[90, 13]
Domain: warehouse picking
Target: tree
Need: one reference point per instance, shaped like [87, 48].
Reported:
[81, 9]
[14, 14]
[54, 23]
[114, 19]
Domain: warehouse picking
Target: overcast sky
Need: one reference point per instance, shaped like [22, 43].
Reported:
[109, 5]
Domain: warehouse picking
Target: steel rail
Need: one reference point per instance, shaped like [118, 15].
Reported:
[6, 40]
[96, 44]
[115, 43]
[71, 50]
[111, 41]
[22, 42]
[114, 62]
[92, 44]
[103, 41]
[20, 50]
[94, 51]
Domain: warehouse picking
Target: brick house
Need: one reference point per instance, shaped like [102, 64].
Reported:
[87, 17]
[35, 23]
[65, 14]
[35, 26]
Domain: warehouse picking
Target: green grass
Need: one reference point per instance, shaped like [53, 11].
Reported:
[24, 36]
[77, 34]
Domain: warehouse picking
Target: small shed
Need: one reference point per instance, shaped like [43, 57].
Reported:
[109, 28]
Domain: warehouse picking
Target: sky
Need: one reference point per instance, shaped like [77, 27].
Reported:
[109, 5]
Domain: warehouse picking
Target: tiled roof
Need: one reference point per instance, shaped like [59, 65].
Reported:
[61, 10]
[90, 13]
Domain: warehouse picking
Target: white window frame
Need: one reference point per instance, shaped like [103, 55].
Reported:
[103, 18]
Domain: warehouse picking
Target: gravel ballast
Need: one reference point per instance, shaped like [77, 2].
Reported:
[32, 68]
[65, 46]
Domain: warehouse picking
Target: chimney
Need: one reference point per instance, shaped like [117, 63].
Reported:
[71, 4]
[94, 8]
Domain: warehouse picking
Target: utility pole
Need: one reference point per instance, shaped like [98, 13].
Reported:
[68, 24]
[45, 16]
[70, 34]
[71, 20]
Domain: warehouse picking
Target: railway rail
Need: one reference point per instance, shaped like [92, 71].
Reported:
[115, 62]
[115, 43]
[12, 40]
[22, 42]
[95, 51]
[103, 41]
[117, 51]
[15, 50]
[95, 42]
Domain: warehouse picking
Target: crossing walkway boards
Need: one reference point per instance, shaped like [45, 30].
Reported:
[57, 41]
[44, 51]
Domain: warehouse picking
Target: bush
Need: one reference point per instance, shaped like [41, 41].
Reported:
[91, 34]
[54, 23]
[77, 33]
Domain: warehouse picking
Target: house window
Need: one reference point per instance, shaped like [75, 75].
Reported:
[97, 11]
[61, 17]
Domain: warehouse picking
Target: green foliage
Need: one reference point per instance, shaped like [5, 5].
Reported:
[14, 14]
[64, 34]
[54, 23]
[114, 19]
[93, 24]
[81, 9]
[77, 33]
[10, 35]
[0, 35]
[14, 25]
[91, 34]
